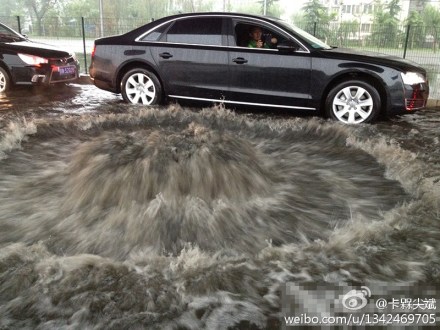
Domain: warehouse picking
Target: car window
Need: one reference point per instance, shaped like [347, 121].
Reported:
[310, 39]
[199, 30]
[243, 35]
[156, 33]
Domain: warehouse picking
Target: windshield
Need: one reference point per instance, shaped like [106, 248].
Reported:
[311, 40]
[9, 35]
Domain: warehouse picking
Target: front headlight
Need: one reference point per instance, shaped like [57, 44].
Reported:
[413, 78]
[32, 59]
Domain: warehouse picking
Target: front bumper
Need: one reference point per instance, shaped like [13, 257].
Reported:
[56, 74]
[46, 74]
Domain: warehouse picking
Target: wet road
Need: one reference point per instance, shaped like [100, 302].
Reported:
[124, 217]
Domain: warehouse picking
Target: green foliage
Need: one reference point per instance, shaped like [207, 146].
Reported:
[317, 19]
[38, 9]
[11, 8]
[394, 8]
[63, 17]
[192, 6]
[431, 19]
[385, 31]
[348, 31]
[81, 8]
[271, 8]
[298, 19]
[415, 23]
[249, 9]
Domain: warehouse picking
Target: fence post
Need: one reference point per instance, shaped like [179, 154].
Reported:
[408, 28]
[84, 43]
[19, 25]
[314, 29]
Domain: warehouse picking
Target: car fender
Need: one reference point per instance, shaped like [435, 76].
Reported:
[132, 63]
[386, 81]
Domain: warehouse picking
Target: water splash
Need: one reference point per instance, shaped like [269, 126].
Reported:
[167, 218]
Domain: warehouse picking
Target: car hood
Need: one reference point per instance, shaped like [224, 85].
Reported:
[373, 57]
[35, 48]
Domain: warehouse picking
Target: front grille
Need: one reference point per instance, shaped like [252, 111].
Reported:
[56, 77]
[62, 61]
[63, 69]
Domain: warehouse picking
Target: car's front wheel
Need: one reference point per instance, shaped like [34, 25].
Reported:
[5, 82]
[140, 86]
[353, 102]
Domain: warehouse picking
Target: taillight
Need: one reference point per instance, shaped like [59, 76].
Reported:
[93, 50]
[33, 60]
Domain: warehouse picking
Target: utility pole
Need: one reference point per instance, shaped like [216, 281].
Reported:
[265, 7]
[101, 18]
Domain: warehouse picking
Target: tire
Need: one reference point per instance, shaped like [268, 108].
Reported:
[5, 81]
[140, 86]
[353, 102]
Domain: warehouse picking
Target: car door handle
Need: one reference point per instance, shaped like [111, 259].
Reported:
[165, 55]
[239, 60]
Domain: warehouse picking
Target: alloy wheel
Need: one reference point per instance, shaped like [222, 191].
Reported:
[140, 88]
[353, 105]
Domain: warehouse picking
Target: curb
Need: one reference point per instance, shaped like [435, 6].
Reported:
[84, 79]
[433, 103]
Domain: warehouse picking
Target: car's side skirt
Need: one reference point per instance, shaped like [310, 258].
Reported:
[242, 103]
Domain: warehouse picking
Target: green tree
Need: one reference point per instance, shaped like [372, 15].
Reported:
[271, 7]
[247, 8]
[347, 31]
[415, 23]
[10, 8]
[299, 20]
[385, 30]
[393, 8]
[81, 8]
[431, 20]
[192, 6]
[317, 19]
[38, 10]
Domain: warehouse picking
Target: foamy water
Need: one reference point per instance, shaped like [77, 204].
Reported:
[168, 218]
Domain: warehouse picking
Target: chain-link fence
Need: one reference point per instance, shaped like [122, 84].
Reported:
[417, 43]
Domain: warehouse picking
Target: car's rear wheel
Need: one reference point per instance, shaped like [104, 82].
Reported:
[353, 102]
[140, 86]
[5, 82]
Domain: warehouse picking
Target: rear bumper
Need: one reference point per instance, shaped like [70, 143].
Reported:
[105, 85]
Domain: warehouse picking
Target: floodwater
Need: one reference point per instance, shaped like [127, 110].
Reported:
[125, 217]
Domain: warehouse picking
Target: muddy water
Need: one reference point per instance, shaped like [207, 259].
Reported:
[173, 218]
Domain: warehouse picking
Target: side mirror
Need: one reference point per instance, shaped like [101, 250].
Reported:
[287, 46]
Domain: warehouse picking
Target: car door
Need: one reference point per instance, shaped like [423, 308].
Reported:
[192, 58]
[278, 75]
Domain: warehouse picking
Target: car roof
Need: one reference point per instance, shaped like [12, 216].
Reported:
[201, 14]
[227, 14]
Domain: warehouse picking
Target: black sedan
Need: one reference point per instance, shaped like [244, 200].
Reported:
[252, 60]
[23, 61]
